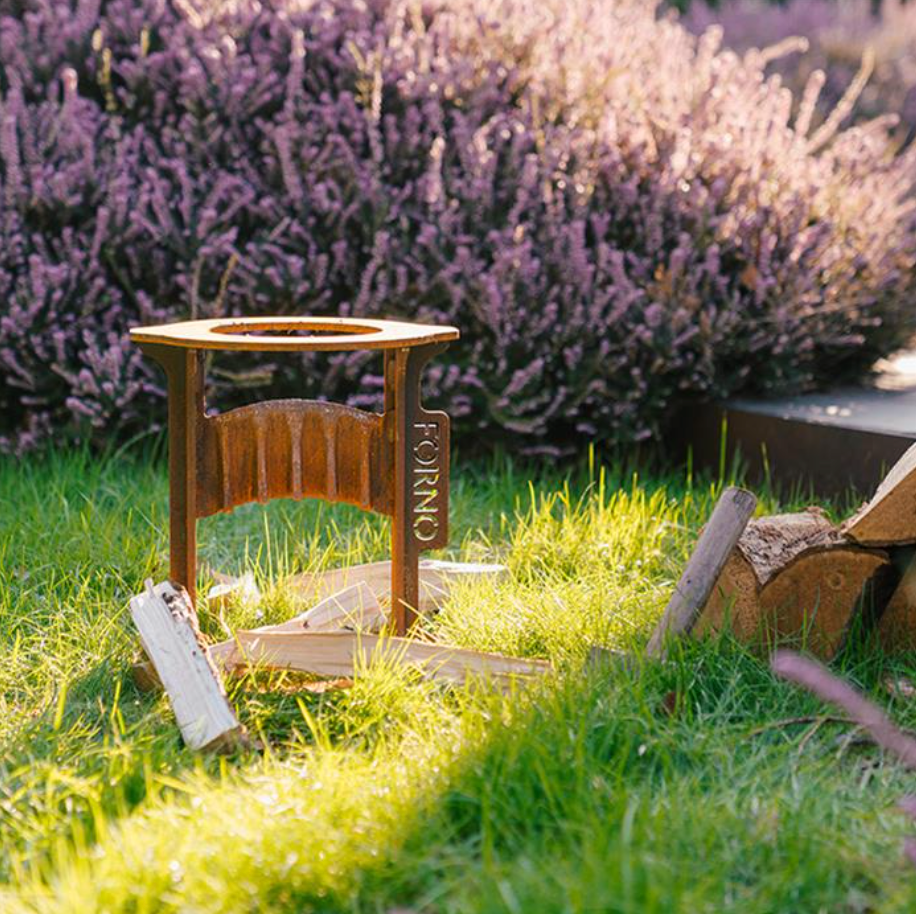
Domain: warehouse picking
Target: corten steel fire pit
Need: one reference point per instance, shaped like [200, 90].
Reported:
[395, 463]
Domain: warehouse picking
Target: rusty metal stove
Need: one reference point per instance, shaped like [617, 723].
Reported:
[395, 463]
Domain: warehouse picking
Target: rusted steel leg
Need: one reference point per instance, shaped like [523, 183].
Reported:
[421, 466]
[184, 370]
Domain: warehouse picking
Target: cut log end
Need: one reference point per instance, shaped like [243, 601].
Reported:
[792, 578]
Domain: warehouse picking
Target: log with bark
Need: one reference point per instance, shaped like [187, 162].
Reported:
[795, 578]
[896, 626]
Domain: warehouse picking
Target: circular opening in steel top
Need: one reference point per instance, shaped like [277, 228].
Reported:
[294, 328]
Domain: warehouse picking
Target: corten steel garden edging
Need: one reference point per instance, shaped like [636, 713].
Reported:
[395, 463]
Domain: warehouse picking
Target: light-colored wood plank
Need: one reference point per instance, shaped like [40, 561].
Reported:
[436, 579]
[167, 623]
[353, 607]
[339, 653]
[715, 545]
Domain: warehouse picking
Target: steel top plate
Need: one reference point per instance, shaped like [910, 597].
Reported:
[291, 334]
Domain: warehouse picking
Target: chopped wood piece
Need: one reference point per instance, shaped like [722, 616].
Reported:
[817, 596]
[791, 577]
[718, 539]
[242, 590]
[337, 653]
[890, 517]
[353, 607]
[165, 618]
[436, 578]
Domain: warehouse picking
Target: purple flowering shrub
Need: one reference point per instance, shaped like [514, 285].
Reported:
[840, 36]
[618, 215]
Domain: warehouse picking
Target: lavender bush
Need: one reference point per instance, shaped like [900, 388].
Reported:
[617, 214]
[839, 37]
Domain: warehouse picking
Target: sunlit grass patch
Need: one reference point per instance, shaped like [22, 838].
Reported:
[653, 788]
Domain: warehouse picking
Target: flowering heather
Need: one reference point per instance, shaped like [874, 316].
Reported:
[616, 213]
[840, 35]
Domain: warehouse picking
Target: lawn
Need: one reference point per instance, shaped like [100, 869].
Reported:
[691, 786]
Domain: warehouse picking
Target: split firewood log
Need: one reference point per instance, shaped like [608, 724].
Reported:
[167, 622]
[436, 579]
[793, 577]
[354, 608]
[226, 590]
[889, 519]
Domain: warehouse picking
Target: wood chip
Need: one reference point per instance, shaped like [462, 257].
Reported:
[228, 590]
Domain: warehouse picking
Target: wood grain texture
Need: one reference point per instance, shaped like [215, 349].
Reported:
[715, 545]
[354, 607]
[170, 636]
[278, 334]
[896, 626]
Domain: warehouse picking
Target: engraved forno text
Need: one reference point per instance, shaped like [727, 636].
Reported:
[426, 455]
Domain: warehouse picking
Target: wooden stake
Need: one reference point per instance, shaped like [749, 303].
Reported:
[718, 539]
[168, 629]
[337, 653]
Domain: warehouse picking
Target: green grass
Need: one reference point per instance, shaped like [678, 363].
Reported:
[675, 787]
